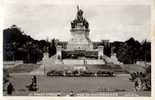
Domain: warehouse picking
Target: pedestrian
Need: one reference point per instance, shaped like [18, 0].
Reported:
[10, 88]
[34, 80]
[34, 83]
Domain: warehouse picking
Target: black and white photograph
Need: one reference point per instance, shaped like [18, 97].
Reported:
[76, 50]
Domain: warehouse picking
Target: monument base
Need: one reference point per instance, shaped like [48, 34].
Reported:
[79, 61]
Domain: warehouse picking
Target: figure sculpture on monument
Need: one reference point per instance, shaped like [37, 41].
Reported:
[79, 20]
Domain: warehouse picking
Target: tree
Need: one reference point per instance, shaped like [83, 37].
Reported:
[52, 48]
[19, 46]
[129, 51]
[146, 51]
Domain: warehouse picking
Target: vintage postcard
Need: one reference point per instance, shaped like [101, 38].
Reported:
[77, 48]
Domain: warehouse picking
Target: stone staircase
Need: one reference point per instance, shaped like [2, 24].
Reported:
[112, 60]
[73, 61]
[105, 60]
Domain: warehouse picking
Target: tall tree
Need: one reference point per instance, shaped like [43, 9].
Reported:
[52, 48]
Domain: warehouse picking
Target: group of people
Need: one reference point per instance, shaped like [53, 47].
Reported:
[134, 75]
[32, 87]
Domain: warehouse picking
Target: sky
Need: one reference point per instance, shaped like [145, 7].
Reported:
[107, 22]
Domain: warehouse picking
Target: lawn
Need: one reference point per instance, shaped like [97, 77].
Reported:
[23, 68]
[130, 68]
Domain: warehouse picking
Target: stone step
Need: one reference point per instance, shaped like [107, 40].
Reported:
[71, 61]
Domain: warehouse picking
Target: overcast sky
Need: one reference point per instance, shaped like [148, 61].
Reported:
[110, 22]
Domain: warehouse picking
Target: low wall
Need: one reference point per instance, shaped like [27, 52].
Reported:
[143, 63]
[78, 61]
[72, 61]
[95, 62]
[10, 64]
[133, 68]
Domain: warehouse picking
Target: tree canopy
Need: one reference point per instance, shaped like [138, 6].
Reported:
[19, 46]
[132, 50]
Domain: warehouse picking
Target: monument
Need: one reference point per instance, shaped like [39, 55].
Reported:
[80, 52]
[80, 33]
[79, 45]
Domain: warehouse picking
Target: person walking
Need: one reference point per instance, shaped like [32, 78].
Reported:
[34, 83]
[10, 88]
[34, 80]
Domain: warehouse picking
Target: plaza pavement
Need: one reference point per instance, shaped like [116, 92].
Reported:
[79, 85]
[119, 85]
